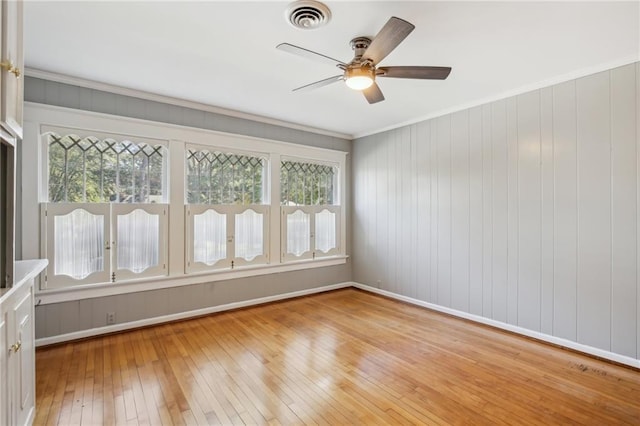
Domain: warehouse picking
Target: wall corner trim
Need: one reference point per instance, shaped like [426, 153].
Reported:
[632, 362]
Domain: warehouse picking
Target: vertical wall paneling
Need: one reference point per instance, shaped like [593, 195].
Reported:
[372, 201]
[356, 212]
[424, 210]
[524, 210]
[566, 211]
[408, 210]
[391, 211]
[594, 210]
[529, 196]
[499, 209]
[434, 211]
[413, 260]
[475, 222]
[364, 217]
[382, 212]
[546, 248]
[487, 213]
[444, 210]
[638, 210]
[397, 252]
[460, 211]
[512, 211]
[623, 211]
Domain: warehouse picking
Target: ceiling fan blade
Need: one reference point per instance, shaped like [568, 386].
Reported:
[320, 83]
[389, 37]
[426, 73]
[373, 94]
[300, 51]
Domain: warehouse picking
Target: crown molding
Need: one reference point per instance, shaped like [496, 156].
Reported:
[583, 72]
[119, 90]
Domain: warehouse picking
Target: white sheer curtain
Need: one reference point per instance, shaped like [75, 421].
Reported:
[79, 244]
[209, 237]
[325, 231]
[138, 240]
[249, 234]
[298, 232]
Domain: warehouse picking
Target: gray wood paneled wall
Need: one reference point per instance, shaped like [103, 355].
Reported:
[524, 210]
[62, 318]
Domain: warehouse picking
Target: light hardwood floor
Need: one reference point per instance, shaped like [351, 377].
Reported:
[342, 357]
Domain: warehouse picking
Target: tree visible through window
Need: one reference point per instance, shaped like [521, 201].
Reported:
[307, 197]
[93, 170]
[218, 178]
[228, 218]
[306, 184]
[96, 182]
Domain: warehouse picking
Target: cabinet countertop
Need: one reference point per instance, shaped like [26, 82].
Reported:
[25, 271]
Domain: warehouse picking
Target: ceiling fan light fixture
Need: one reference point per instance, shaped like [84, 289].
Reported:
[360, 78]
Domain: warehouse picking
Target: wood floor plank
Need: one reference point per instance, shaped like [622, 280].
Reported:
[341, 357]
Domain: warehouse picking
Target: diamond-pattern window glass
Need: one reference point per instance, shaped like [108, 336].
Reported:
[217, 178]
[307, 184]
[93, 170]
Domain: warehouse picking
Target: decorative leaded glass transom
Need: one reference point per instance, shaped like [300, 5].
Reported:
[93, 170]
[305, 184]
[217, 178]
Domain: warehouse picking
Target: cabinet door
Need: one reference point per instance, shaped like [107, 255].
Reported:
[25, 380]
[11, 78]
[4, 367]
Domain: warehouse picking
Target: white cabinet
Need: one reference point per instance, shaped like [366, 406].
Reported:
[4, 374]
[17, 350]
[11, 67]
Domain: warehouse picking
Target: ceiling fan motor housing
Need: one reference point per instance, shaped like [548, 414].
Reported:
[307, 14]
[359, 46]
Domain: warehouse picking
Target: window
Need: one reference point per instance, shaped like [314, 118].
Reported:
[227, 221]
[105, 214]
[310, 216]
[141, 205]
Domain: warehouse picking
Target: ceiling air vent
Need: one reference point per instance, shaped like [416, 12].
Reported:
[307, 14]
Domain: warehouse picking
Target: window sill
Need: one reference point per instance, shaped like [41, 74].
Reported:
[66, 294]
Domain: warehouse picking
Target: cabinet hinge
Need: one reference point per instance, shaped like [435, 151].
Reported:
[232, 264]
[113, 277]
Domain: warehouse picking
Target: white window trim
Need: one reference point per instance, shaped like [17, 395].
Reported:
[39, 117]
[43, 193]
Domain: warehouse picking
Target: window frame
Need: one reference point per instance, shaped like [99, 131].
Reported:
[43, 193]
[40, 118]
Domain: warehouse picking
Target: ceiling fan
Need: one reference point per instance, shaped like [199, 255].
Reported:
[362, 71]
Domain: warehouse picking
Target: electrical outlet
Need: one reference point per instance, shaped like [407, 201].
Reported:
[111, 318]
[378, 283]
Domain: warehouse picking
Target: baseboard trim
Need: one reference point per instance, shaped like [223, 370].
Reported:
[82, 334]
[590, 350]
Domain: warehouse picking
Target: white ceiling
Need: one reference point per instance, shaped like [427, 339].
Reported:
[223, 53]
